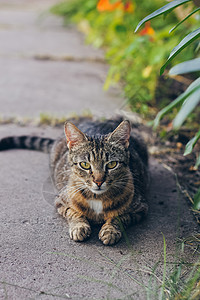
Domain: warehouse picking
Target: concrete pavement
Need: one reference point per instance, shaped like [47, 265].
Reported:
[31, 85]
[37, 258]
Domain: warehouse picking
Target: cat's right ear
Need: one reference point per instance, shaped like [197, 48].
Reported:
[73, 135]
[121, 134]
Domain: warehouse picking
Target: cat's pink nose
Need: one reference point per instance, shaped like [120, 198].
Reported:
[98, 183]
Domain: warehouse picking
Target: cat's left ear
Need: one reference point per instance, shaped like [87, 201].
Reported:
[73, 135]
[121, 134]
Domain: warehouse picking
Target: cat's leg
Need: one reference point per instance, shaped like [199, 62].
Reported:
[79, 227]
[111, 231]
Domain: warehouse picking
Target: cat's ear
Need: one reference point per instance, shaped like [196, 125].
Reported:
[73, 135]
[121, 134]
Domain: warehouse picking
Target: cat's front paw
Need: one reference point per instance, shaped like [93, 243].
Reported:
[79, 232]
[109, 234]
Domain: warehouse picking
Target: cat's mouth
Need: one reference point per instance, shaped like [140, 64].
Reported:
[98, 191]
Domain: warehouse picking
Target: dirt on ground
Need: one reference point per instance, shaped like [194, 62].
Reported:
[170, 152]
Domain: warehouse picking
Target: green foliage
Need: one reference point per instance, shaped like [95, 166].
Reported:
[190, 145]
[191, 37]
[191, 90]
[187, 17]
[134, 59]
[180, 281]
[187, 290]
[189, 104]
[189, 66]
[190, 99]
[197, 199]
[163, 10]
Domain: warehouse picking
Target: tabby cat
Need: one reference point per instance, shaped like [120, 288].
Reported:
[100, 171]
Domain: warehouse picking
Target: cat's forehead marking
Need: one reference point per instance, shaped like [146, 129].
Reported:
[97, 150]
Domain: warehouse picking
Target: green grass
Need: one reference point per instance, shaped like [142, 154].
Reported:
[168, 280]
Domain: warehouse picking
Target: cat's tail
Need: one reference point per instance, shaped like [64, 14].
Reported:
[26, 142]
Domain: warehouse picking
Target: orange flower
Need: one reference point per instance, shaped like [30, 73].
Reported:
[105, 5]
[148, 30]
[128, 7]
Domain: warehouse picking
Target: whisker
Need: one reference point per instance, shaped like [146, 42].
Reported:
[75, 192]
[76, 188]
[63, 172]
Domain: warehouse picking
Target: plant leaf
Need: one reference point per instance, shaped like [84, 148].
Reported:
[193, 12]
[197, 200]
[188, 106]
[188, 66]
[190, 90]
[197, 162]
[190, 103]
[188, 39]
[194, 84]
[190, 145]
[161, 11]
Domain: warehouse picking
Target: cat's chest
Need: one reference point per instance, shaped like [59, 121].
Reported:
[96, 205]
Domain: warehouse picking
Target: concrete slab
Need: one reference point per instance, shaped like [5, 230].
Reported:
[37, 258]
[27, 33]
[30, 86]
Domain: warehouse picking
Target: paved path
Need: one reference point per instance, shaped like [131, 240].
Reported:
[38, 260]
[29, 85]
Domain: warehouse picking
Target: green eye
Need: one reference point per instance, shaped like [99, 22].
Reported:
[85, 165]
[112, 164]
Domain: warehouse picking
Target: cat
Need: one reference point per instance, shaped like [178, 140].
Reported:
[100, 170]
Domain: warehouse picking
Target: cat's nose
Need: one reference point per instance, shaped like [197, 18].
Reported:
[98, 183]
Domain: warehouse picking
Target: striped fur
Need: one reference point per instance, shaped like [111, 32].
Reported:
[26, 142]
[120, 200]
[111, 196]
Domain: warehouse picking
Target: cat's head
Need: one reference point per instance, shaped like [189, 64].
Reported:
[99, 163]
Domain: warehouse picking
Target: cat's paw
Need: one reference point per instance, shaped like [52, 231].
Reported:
[79, 232]
[109, 235]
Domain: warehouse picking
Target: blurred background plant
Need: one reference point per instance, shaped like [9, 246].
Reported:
[189, 100]
[134, 59]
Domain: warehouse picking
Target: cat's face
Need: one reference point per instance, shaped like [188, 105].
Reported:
[99, 164]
